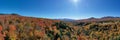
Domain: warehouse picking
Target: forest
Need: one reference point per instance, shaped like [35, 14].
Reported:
[16, 27]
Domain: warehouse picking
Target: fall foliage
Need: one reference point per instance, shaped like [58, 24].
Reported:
[16, 27]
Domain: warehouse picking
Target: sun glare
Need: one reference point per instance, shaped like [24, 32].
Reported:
[75, 1]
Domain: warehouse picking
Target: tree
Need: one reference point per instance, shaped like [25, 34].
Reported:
[1, 35]
[12, 33]
[61, 25]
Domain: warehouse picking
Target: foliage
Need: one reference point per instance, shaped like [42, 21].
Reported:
[29, 28]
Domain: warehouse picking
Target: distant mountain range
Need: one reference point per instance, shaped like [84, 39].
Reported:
[10, 14]
[91, 19]
[66, 19]
[81, 20]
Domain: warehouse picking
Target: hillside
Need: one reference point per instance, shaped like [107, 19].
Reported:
[17, 27]
[14, 26]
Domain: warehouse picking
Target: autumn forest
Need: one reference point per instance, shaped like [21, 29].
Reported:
[17, 27]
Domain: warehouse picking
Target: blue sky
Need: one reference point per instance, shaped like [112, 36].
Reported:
[62, 8]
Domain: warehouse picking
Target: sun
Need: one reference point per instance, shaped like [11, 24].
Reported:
[75, 1]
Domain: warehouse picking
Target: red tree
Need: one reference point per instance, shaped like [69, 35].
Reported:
[0, 28]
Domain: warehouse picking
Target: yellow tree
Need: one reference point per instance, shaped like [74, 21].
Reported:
[11, 33]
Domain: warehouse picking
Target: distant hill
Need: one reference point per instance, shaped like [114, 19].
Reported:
[10, 14]
[66, 20]
[107, 18]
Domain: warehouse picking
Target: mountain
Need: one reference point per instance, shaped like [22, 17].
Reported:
[18, 27]
[106, 18]
[92, 19]
[10, 14]
[66, 20]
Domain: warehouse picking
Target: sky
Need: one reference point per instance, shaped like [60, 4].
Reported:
[54, 9]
